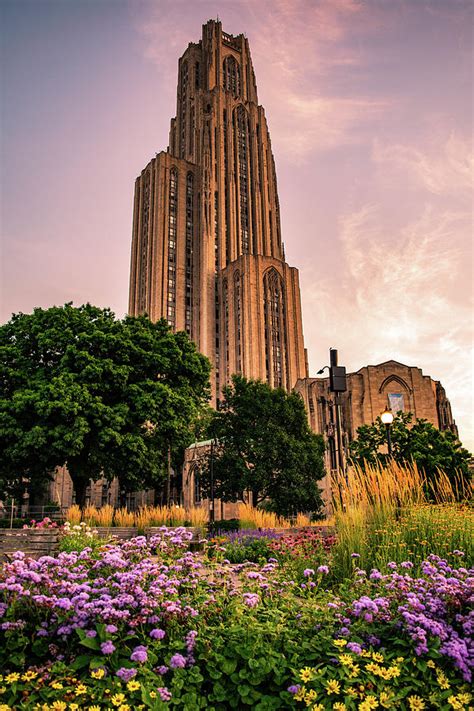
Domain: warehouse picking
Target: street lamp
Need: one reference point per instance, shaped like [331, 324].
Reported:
[387, 419]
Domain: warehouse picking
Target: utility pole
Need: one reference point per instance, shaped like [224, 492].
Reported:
[337, 385]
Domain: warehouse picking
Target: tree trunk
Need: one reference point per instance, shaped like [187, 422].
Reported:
[80, 486]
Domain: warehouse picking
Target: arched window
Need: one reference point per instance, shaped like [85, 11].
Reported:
[275, 331]
[231, 75]
[189, 252]
[172, 232]
[241, 143]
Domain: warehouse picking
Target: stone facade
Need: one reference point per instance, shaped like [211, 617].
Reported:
[370, 391]
[207, 251]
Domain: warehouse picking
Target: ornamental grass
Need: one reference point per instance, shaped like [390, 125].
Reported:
[124, 518]
[383, 514]
[251, 517]
[74, 515]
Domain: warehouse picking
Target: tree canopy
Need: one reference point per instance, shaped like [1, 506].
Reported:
[264, 445]
[418, 441]
[106, 397]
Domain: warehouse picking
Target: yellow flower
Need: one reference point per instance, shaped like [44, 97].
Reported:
[94, 708]
[430, 663]
[384, 699]
[56, 685]
[351, 691]
[340, 642]
[374, 668]
[310, 697]
[307, 674]
[124, 707]
[455, 702]
[354, 671]
[5, 707]
[118, 699]
[416, 703]
[443, 680]
[98, 673]
[29, 675]
[370, 702]
[80, 689]
[377, 657]
[73, 707]
[339, 706]
[317, 707]
[299, 696]
[333, 687]
[365, 653]
[394, 672]
[133, 685]
[345, 659]
[60, 706]
[153, 694]
[11, 678]
[465, 698]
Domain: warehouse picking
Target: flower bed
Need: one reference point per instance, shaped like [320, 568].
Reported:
[148, 624]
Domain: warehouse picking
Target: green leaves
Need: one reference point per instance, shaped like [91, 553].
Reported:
[264, 445]
[77, 386]
[418, 441]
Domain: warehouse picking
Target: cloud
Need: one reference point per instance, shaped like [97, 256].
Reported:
[297, 46]
[448, 170]
[394, 298]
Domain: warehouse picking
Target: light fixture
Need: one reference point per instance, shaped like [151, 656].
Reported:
[387, 417]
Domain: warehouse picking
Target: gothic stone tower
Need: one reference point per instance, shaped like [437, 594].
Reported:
[207, 253]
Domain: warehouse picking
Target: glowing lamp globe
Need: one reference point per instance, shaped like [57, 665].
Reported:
[387, 417]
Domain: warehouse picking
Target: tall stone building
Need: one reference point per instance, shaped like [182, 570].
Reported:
[207, 250]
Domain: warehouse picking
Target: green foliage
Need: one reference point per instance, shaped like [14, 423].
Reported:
[104, 396]
[265, 446]
[255, 550]
[420, 442]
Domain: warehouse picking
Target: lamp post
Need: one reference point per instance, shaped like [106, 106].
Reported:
[211, 468]
[387, 419]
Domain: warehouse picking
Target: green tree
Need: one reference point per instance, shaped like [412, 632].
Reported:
[106, 397]
[264, 445]
[417, 441]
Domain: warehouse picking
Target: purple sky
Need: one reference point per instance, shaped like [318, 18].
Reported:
[369, 104]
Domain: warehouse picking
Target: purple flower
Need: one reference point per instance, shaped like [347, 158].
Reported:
[91, 633]
[111, 629]
[177, 661]
[251, 599]
[126, 674]
[165, 695]
[323, 569]
[354, 647]
[139, 654]
[294, 688]
[307, 572]
[107, 647]
[355, 555]
[162, 670]
[157, 634]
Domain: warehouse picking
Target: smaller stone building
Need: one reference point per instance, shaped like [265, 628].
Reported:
[370, 391]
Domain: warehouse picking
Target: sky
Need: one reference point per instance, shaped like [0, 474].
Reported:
[370, 110]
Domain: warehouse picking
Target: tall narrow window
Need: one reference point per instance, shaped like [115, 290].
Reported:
[231, 75]
[143, 274]
[275, 341]
[189, 252]
[225, 306]
[172, 231]
[226, 190]
[241, 143]
[183, 107]
[238, 321]
[216, 289]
